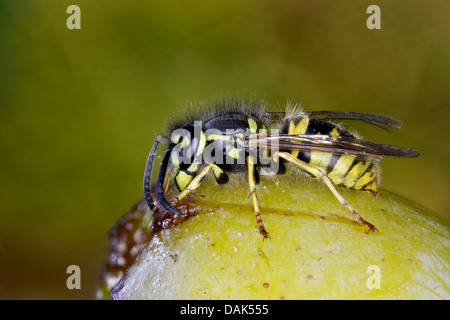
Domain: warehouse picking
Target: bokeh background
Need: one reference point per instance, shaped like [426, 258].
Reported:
[79, 109]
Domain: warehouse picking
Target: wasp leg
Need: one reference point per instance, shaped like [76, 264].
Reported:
[252, 185]
[220, 175]
[320, 173]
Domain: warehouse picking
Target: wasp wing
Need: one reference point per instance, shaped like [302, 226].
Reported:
[329, 143]
[379, 120]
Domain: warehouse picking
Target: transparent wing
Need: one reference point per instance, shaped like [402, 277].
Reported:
[379, 120]
[328, 143]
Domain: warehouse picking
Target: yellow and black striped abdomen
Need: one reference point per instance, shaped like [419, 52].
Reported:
[350, 171]
[353, 172]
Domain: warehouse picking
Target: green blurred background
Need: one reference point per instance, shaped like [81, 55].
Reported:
[79, 109]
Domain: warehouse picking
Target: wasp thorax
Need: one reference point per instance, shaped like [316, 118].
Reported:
[200, 143]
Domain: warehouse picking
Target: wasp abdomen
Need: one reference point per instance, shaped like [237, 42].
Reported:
[350, 171]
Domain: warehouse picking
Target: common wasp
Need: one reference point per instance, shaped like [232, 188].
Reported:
[240, 135]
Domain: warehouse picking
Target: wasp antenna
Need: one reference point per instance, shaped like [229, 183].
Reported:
[160, 184]
[148, 171]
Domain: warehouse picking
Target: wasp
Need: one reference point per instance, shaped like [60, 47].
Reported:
[235, 134]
